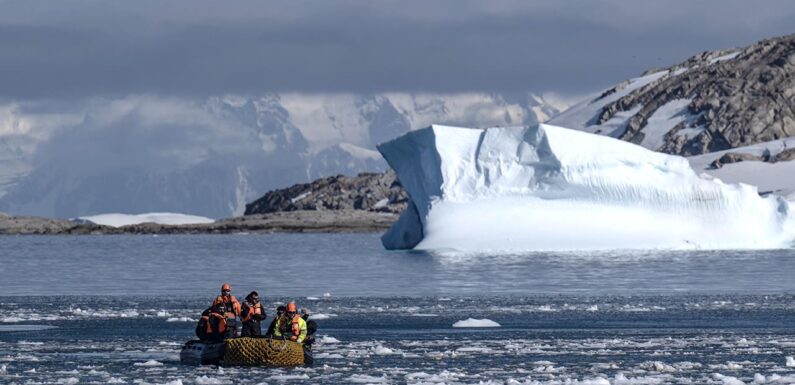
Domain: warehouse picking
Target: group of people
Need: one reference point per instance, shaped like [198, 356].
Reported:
[220, 320]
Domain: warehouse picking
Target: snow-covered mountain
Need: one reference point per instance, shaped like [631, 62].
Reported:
[739, 102]
[145, 153]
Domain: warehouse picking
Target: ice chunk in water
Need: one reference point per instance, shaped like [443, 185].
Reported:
[476, 323]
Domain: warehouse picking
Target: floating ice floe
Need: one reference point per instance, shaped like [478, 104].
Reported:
[150, 363]
[179, 319]
[288, 377]
[790, 362]
[328, 340]
[551, 188]
[728, 380]
[118, 220]
[204, 380]
[320, 316]
[476, 323]
[383, 351]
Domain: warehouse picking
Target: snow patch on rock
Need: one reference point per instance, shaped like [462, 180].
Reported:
[118, 220]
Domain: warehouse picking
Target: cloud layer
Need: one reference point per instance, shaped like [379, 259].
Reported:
[200, 47]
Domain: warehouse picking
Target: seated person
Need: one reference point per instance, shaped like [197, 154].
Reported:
[279, 314]
[251, 315]
[311, 327]
[231, 305]
[296, 331]
[212, 326]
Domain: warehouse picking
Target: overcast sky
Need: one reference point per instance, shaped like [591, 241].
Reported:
[76, 49]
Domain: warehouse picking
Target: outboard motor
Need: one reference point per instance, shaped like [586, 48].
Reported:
[202, 353]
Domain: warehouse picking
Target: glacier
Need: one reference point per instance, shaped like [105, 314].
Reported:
[545, 188]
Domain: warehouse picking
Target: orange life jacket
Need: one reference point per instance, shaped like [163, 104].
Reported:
[257, 309]
[296, 327]
[221, 323]
[231, 304]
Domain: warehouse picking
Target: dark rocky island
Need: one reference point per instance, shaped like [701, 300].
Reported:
[369, 202]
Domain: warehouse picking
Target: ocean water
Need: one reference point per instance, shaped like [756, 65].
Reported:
[115, 309]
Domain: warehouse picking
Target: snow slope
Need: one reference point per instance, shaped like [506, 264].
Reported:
[118, 220]
[550, 188]
[583, 115]
[776, 177]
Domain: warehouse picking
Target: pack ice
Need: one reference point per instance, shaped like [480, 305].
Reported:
[551, 188]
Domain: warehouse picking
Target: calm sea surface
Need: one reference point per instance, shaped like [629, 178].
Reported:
[115, 309]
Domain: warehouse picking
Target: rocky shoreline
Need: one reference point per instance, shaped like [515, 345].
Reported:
[305, 221]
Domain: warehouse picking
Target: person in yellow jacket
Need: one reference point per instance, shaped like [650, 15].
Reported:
[291, 325]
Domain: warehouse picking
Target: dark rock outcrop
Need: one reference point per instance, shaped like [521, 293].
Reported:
[338, 221]
[786, 155]
[23, 225]
[734, 157]
[378, 192]
[736, 100]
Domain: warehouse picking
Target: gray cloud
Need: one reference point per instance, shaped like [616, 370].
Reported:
[77, 49]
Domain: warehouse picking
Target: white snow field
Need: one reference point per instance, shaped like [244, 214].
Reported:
[551, 188]
[778, 177]
[118, 220]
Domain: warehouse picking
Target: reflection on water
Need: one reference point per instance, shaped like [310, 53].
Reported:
[357, 265]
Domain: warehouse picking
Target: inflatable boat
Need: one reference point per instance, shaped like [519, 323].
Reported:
[246, 351]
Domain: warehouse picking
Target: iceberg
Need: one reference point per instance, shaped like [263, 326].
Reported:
[544, 188]
[476, 323]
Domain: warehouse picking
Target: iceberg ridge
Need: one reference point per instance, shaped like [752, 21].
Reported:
[551, 188]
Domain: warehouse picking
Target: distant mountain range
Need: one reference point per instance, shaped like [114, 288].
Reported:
[210, 157]
[730, 112]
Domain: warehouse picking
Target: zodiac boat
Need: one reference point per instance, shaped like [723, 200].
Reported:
[245, 351]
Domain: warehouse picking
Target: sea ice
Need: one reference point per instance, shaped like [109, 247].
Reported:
[551, 188]
[328, 340]
[204, 380]
[728, 380]
[149, 363]
[383, 351]
[476, 323]
[180, 319]
[365, 379]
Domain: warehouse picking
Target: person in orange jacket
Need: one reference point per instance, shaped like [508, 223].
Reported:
[231, 305]
[212, 326]
[252, 315]
[231, 308]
